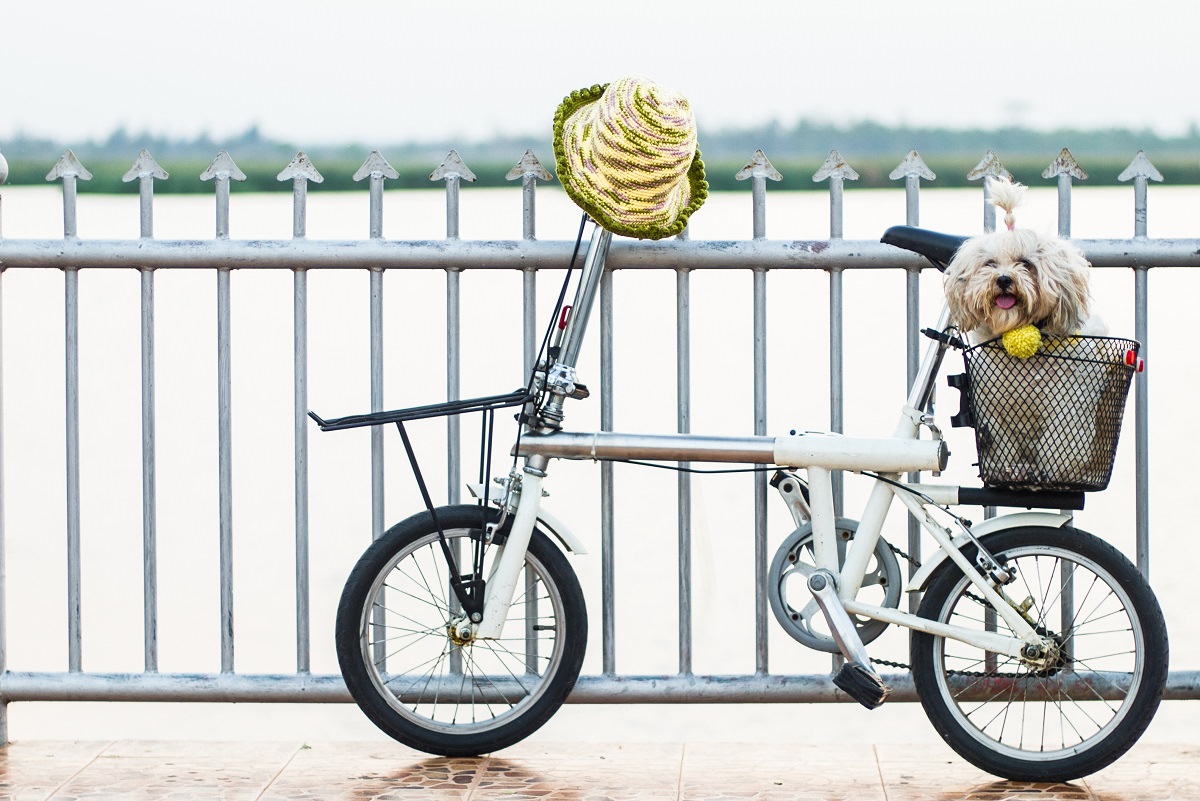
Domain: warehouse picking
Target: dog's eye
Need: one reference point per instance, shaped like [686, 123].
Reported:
[1028, 265]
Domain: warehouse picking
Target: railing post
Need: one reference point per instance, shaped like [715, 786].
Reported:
[221, 171]
[146, 170]
[1140, 170]
[3, 545]
[377, 169]
[760, 170]
[912, 169]
[608, 624]
[300, 171]
[70, 170]
[683, 424]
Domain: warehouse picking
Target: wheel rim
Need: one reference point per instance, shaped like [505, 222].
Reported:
[1045, 715]
[427, 678]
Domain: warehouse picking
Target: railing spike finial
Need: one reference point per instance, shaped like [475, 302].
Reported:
[759, 167]
[989, 165]
[223, 166]
[1065, 168]
[376, 166]
[145, 167]
[300, 167]
[220, 172]
[70, 170]
[530, 171]
[1140, 167]
[452, 167]
[835, 167]
[912, 169]
[1140, 171]
[528, 166]
[69, 166]
[913, 166]
[1065, 164]
[836, 171]
[145, 171]
[300, 171]
[453, 171]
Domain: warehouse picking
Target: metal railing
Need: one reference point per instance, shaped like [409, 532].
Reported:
[375, 255]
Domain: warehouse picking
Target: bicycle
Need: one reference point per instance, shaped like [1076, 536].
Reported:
[1038, 651]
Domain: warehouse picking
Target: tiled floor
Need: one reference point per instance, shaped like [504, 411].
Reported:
[232, 771]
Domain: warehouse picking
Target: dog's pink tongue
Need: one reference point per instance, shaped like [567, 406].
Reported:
[1006, 301]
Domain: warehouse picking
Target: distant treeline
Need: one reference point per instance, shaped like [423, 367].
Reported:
[797, 152]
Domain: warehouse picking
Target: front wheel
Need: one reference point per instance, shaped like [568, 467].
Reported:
[414, 675]
[1084, 708]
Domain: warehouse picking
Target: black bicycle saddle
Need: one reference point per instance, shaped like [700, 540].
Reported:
[939, 248]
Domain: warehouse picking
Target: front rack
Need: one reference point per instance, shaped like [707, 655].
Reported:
[447, 409]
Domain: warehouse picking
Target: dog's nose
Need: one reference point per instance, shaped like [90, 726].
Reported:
[1004, 282]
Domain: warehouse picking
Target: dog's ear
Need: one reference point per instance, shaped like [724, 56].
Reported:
[1063, 293]
[960, 296]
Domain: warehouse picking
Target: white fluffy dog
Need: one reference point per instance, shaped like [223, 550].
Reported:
[1035, 417]
[1010, 278]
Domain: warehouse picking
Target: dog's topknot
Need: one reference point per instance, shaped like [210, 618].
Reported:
[1007, 195]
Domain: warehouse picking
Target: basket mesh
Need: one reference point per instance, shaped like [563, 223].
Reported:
[1051, 421]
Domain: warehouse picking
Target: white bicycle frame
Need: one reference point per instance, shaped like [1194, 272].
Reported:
[818, 454]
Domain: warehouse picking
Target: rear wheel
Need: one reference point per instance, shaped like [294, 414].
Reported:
[414, 675]
[1088, 705]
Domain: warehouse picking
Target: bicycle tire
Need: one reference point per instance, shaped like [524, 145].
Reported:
[1040, 729]
[401, 664]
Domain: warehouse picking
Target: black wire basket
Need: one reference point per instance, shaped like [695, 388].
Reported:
[1050, 421]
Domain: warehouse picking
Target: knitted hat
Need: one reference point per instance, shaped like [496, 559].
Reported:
[626, 154]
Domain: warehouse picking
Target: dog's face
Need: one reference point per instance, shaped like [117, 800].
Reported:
[1000, 281]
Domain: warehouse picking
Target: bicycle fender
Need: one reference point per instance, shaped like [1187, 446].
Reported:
[1049, 519]
[555, 527]
[547, 522]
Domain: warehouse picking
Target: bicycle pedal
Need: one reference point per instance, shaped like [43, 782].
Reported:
[862, 684]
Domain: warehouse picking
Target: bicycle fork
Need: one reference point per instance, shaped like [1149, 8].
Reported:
[502, 583]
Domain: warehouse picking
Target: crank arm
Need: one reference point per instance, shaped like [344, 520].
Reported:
[824, 591]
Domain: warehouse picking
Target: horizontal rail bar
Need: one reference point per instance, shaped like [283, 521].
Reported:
[526, 254]
[595, 689]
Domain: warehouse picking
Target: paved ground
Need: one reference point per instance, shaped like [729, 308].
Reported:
[139, 770]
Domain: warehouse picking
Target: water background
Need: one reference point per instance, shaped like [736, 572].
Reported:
[414, 350]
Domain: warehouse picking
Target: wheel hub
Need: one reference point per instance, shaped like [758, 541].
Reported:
[461, 632]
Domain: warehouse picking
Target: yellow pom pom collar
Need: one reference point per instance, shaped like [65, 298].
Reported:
[1022, 342]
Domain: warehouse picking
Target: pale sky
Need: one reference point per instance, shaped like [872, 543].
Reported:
[372, 72]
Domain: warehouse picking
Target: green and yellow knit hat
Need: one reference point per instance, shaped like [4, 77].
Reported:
[626, 154]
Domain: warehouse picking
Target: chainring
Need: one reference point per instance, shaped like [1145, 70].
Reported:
[795, 608]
